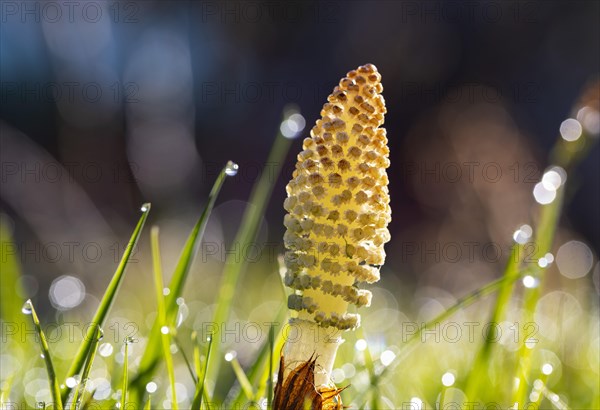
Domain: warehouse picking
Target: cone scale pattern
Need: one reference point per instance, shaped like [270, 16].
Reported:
[338, 205]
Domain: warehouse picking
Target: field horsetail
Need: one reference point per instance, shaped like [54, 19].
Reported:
[338, 212]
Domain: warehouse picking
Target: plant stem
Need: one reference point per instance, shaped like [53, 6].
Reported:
[162, 314]
[511, 270]
[306, 339]
[54, 389]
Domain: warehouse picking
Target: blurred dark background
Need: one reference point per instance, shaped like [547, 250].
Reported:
[106, 105]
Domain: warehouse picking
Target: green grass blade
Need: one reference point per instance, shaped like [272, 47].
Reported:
[200, 390]
[88, 401]
[462, 303]
[242, 378]
[52, 380]
[5, 390]
[151, 355]
[125, 375]
[566, 154]
[197, 355]
[11, 287]
[79, 392]
[544, 238]
[475, 377]
[107, 300]
[187, 361]
[261, 192]
[260, 373]
[370, 365]
[162, 314]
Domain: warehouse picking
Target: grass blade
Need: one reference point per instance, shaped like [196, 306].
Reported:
[475, 377]
[107, 300]
[11, 272]
[566, 154]
[242, 378]
[125, 375]
[29, 310]
[162, 314]
[370, 365]
[200, 390]
[151, 356]
[260, 373]
[463, 302]
[76, 402]
[197, 356]
[187, 362]
[261, 192]
[543, 240]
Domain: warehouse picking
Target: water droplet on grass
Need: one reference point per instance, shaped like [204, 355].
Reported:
[151, 387]
[530, 282]
[231, 169]
[105, 349]
[27, 309]
[229, 356]
[448, 379]
[71, 382]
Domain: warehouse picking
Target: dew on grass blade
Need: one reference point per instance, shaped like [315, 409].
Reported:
[547, 369]
[360, 345]
[182, 314]
[231, 169]
[71, 382]
[387, 357]
[151, 387]
[570, 129]
[543, 195]
[530, 282]
[164, 330]
[589, 118]
[105, 349]
[523, 234]
[292, 126]
[552, 180]
[230, 355]
[448, 379]
[27, 309]
[145, 207]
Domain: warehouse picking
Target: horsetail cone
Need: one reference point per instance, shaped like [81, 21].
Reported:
[338, 211]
